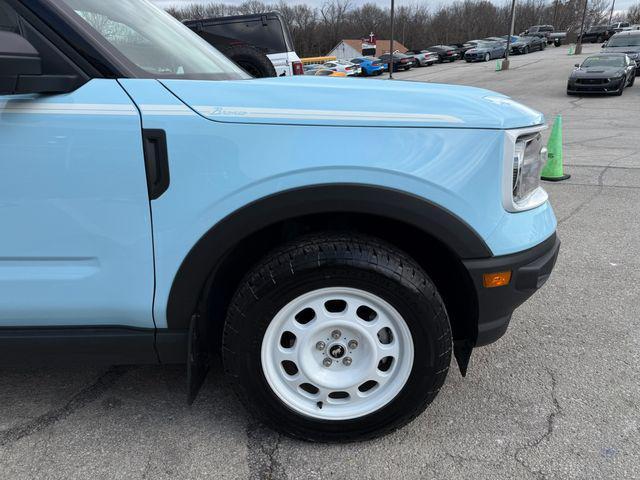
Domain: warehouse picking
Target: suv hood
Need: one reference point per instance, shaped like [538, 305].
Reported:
[308, 100]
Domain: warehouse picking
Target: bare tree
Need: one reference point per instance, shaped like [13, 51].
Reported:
[633, 14]
[315, 31]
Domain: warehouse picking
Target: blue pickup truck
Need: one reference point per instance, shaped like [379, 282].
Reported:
[158, 205]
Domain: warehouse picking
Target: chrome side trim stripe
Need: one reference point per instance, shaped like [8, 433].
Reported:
[301, 114]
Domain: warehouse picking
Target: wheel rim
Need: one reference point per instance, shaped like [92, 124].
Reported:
[337, 353]
[487, 57]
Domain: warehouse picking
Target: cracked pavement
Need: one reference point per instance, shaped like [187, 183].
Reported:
[557, 398]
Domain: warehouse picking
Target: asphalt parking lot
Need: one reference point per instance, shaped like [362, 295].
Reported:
[558, 397]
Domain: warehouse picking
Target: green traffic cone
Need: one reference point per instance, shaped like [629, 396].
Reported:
[498, 65]
[553, 170]
[572, 50]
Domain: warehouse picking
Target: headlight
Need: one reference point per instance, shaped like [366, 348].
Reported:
[528, 159]
[525, 156]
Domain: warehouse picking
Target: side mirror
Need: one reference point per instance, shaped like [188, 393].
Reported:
[21, 69]
[604, 44]
[577, 65]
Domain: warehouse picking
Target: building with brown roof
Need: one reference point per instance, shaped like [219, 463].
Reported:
[348, 49]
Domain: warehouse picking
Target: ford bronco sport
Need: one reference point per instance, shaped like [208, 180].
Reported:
[159, 206]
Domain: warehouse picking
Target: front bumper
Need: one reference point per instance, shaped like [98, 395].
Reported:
[529, 269]
[475, 56]
[595, 85]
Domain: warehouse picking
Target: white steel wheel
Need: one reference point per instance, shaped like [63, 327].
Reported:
[337, 353]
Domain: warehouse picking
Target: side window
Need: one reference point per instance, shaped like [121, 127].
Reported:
[54, 62]
[8, 18]
[269, 38]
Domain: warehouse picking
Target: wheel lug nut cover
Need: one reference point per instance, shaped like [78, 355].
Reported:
[346, 361]
[320, 346]
[353, 344]
[336, 334]
[327, 362]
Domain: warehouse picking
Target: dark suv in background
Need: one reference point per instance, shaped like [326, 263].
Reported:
[597, 34]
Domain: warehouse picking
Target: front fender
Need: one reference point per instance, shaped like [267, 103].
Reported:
[219, 168]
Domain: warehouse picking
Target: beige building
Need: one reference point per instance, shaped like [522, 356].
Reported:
[348, 49]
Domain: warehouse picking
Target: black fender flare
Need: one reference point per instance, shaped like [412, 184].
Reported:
[212, 247]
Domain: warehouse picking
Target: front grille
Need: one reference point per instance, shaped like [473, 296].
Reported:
[592, 81]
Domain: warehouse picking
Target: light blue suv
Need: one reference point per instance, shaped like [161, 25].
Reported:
[160, 206]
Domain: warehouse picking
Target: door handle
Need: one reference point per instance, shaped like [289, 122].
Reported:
[156, 161]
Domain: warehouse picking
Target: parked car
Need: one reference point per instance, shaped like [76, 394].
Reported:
[445, 53]
[369, 66]
[526, 43]
[485, 51]
[461, 48]
[238, 37]
[320, 71]
[625, 42]
[159, 208]
[324, 72]
[619, 26]
[602, 73]
[424, 57]
[548, 33]
[400, 61]
[348, 68]
[596, 34]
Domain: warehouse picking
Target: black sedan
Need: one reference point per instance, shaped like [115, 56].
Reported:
[445, 53]
[400, 61]
[604, 73]
[526, 43]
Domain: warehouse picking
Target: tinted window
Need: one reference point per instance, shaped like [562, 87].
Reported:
[624, 41]
[604, 61]
[268, 38]
[8, 18]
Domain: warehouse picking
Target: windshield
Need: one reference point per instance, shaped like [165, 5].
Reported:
[152, 42]
[624, 41]
[604, 61]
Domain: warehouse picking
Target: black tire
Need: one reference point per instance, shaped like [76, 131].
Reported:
[487, 57]
[338, 260]
[632, 81]
[620, 91]
[251, 60]
[525, 50]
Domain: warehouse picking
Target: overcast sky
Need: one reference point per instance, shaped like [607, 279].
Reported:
[620, 4]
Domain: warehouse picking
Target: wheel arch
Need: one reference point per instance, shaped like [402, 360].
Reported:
[434, 236]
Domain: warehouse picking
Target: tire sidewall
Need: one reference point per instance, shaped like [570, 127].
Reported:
[418, 312]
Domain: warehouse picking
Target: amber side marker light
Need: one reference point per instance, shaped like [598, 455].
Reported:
[496, 279]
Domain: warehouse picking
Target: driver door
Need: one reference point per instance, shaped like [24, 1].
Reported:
[76, 246]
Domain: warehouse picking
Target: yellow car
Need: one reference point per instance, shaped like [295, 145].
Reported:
[325, 72]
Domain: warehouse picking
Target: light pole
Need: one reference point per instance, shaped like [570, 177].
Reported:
[391, 45]
[613, 4]
[505, 63]
[584, 16]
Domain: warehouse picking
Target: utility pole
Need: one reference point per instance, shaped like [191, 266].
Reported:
[391, 44]
[505, 63]
[613, 4]
[584, 16]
